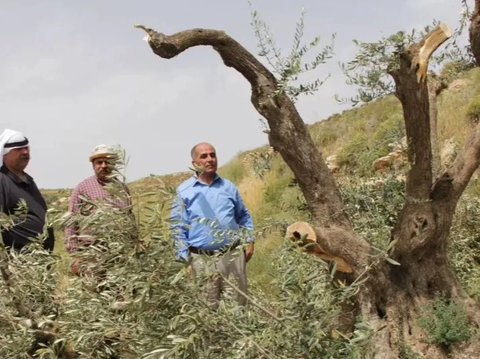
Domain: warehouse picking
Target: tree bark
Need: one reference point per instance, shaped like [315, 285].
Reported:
[475, 32]
[416, 225]
[435, 87]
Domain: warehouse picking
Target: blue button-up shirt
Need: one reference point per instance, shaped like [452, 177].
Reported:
[207, 216]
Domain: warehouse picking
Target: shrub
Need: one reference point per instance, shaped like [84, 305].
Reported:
[374, 209]
[464, 244]
[445, 322]
[473, 109]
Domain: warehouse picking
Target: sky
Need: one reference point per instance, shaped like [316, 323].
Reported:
[75, 74]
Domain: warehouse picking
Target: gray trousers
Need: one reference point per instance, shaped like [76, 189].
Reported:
[231, 264]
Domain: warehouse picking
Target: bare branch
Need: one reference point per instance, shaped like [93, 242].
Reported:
[170, 46]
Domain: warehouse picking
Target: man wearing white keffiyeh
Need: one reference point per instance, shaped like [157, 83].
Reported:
[15, 185]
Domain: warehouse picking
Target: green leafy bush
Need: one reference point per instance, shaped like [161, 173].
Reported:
[473, 109]
[374, 209]
[464, 244]
[445, 322]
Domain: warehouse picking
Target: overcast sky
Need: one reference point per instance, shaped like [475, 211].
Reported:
[74, 74]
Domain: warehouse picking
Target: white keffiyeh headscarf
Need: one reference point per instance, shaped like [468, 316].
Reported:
[10, 140]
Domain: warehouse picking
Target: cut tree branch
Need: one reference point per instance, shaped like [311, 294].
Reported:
[305, 237]
[288, 133]
[430, 43]
[351, 256]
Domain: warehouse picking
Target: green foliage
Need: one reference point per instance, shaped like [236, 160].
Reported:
[361, 345]
[405, 352]
[288, 69]
[444, 321]
[453, 51]
[283, 201]
[135, 300]
[473, 109]
[374, 209]
[374, 63]
[370, 68]
[464, 244]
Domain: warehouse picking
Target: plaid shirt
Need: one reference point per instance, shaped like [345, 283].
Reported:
[93, 189]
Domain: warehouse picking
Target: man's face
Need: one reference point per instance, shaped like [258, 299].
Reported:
[102, 168]
[206, 158]
[17, 159]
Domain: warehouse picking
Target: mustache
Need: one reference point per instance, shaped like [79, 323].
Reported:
[25, 157]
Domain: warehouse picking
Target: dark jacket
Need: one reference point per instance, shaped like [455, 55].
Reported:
[12, 189]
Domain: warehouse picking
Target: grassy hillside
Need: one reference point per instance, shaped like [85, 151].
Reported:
[356, 137]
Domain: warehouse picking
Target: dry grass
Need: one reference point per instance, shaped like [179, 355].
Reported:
[452, 119]
[252, 190]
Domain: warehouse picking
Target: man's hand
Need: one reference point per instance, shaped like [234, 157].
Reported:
[249, 251]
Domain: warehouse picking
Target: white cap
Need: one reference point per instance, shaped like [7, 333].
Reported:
[102, 151]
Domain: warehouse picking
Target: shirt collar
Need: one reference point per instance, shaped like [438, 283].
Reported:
[14, 177]
[197, 180]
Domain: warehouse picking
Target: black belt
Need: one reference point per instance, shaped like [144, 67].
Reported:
[214, 252]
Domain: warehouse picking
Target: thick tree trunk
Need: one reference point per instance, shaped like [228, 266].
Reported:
[390, 295]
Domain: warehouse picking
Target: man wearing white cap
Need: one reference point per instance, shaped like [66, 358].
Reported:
[15, 185]
[94, 189]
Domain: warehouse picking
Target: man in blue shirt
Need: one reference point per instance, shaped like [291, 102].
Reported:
[211, 224]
